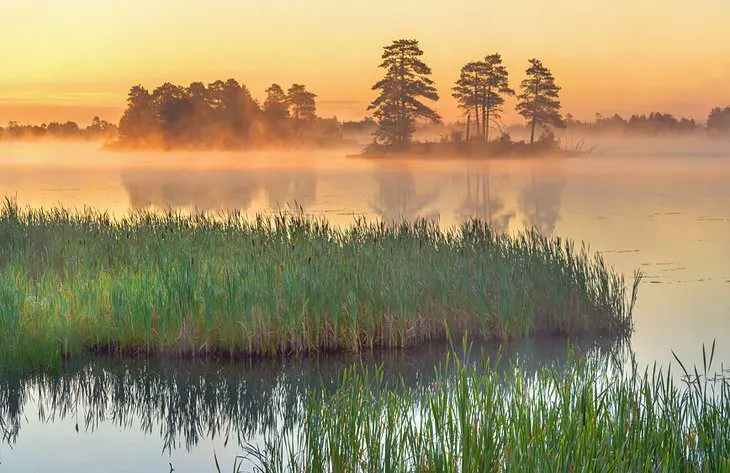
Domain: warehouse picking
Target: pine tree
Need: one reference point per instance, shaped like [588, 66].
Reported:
[301, 102]
[466, 92]
[398, 106]
[276, 106]
[481, 87]
[494, 86]
[138, 120]
[539, 103]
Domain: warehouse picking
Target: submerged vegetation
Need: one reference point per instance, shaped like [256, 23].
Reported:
[589, 417]
[285, 284]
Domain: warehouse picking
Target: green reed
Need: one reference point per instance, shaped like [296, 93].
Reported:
[287, 284]
[589, 417]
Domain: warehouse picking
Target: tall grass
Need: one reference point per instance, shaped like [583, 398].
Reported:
[283, 284]
[588, 418]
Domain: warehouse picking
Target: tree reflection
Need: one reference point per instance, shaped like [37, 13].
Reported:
[287, 188]
[217, 190]
[540, 203]
[398, 199]
[480, 203]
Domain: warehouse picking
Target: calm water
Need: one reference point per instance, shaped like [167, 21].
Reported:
[666, 214]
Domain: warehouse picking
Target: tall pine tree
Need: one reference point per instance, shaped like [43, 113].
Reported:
[466, 92]
[539, 103]
[494, 86]
[398, 106]
[481, 87]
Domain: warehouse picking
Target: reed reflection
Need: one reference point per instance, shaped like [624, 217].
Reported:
[187, 402]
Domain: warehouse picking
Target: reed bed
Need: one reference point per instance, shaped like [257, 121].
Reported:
[283, 284]
[586, 418]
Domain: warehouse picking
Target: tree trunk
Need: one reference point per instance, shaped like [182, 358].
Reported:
[476, 115]
[486, 130]
[532, 130]
[487, 115]
[485, 125]
[468, 123]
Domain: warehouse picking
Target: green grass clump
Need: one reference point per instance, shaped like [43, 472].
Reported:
[586, 418]
[283, 284]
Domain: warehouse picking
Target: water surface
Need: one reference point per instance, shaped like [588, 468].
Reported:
[665, 214]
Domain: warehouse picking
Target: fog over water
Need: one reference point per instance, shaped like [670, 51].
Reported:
[662, 207]
[667, 215]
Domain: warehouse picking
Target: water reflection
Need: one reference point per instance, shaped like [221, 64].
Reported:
[540, 203]
[398, 196]
[218, 189]
[481, 202]
[188, 402]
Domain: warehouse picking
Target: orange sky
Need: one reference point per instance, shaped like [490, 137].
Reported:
[76, 58]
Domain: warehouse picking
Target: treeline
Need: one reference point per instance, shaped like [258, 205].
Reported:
[223, 114]
[656, 123]
[98, 130]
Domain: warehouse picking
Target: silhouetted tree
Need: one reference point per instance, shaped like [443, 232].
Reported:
[201, 114]
[466, 93]
[406, 80]
[481, 87]
[494, 86]
[138, 121]
[234, 111]
[719, 120]
[173, 109]
[539, 103]
[276, 110]
[301, 103]
[276, 106]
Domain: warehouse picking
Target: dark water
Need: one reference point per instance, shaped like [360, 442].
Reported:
[664, 213]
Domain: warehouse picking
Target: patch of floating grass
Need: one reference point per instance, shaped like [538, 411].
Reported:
[283, 284]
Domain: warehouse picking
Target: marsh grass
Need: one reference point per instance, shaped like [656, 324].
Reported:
[589, 417]
[283, 284]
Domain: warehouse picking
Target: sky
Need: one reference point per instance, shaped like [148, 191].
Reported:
[78, 58]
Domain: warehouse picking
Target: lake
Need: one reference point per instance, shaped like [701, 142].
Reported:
[663, 212]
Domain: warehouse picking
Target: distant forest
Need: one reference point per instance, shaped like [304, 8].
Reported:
[98, 130]
[655, 123]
